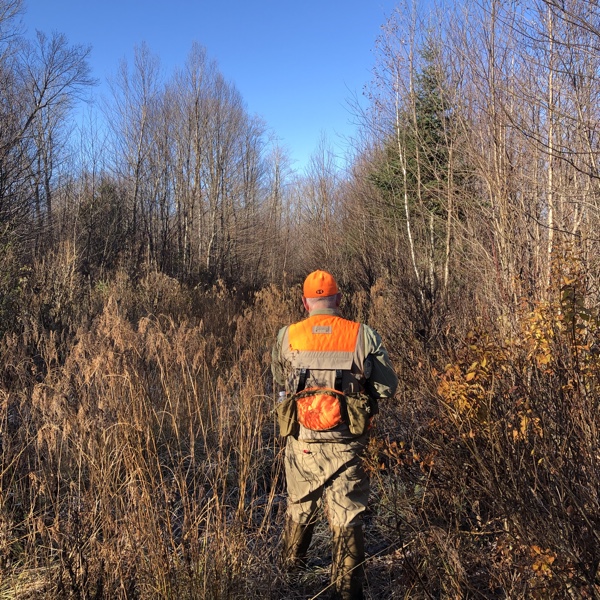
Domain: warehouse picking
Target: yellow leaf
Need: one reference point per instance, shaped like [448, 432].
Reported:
[544, 359]
[524, 423]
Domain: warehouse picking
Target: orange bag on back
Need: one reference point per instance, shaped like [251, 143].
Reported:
[319, 409]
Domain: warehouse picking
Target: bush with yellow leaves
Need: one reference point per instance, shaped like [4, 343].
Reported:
[521, 409]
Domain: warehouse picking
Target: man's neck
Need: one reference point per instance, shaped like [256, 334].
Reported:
[324, 311]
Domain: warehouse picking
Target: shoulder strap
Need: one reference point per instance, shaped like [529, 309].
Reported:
[338, 380]
[302, 379]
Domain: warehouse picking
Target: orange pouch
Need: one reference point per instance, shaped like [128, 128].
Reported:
[319, 409]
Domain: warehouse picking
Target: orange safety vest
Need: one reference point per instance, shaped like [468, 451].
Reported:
[323, 343]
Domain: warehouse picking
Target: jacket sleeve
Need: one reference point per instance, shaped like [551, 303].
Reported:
[277, 367]
[382, 380]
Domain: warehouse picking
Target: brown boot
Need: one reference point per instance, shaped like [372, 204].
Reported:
[296, 540]
[347, 568]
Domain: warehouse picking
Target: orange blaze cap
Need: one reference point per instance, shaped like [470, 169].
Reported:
[320, 284]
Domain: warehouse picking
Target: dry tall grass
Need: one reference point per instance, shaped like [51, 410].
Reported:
[139, 456]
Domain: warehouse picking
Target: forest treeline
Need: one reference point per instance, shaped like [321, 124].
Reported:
[150, 251]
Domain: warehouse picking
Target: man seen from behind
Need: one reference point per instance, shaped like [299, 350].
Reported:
[334, 371]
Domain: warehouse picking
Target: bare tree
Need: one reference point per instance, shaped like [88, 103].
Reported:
[131, 117]
[320, 207]
[40, 83]
[190, 90]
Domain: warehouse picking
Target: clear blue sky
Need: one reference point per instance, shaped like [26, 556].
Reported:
[295, 63]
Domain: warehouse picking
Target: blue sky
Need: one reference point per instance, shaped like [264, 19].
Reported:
[295, 63]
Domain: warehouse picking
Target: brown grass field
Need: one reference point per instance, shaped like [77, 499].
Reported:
[140, 459]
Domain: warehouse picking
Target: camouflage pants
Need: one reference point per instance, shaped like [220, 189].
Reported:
[329, 471]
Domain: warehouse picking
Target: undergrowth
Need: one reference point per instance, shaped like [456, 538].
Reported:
[139, 455]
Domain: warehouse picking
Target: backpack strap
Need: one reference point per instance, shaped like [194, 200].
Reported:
[302, 379]
[338, 380]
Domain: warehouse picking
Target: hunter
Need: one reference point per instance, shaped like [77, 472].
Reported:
[332, 372]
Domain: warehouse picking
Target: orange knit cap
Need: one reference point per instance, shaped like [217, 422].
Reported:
[320, 284]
